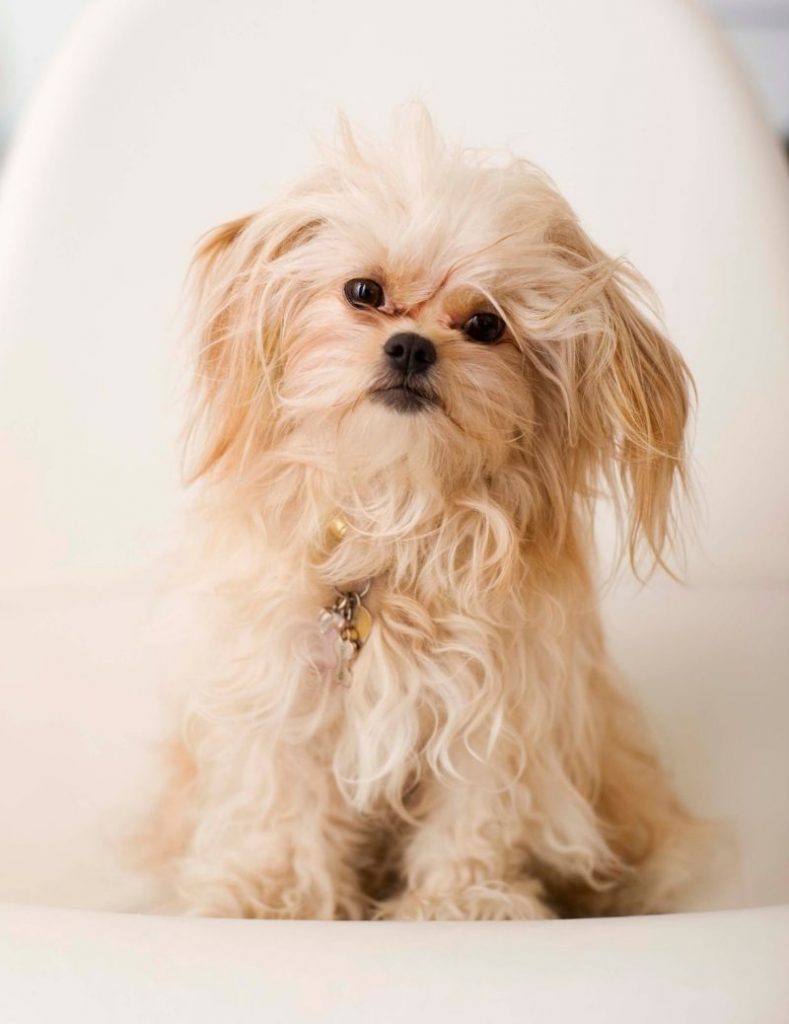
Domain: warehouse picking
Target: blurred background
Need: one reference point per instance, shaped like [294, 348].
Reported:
[31, 32]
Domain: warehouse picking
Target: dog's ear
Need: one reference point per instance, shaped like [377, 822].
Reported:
[239, 296]
[632, 394]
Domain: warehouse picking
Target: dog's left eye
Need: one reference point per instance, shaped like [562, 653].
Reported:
[485, 328]
[361, 291]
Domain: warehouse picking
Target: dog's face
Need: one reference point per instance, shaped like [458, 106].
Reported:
[406, 335]
[416, 303]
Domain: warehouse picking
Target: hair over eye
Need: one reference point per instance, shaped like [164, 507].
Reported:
[363, 291]
[484, 328]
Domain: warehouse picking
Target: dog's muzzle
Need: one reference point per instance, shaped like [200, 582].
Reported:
[406, 386]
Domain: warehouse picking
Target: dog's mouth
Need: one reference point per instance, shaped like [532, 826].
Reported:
[405, 396]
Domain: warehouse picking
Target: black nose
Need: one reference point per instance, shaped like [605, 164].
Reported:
[410, 353]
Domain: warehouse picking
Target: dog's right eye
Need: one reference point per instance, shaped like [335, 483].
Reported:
[361, 291]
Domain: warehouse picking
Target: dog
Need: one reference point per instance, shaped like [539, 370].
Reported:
[415, 376]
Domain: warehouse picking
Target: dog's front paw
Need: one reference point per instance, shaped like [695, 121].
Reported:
[237, 899]
[218, 892]
[485, 901]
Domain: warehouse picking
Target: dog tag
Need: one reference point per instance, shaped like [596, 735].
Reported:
[363, 623]
[337, 529]
[330, 621]
[346, 649]
[351, 623]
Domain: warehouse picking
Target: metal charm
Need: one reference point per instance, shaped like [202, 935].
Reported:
[352, 623]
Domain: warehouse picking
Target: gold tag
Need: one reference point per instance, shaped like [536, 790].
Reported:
[363, 622]
[337, 529]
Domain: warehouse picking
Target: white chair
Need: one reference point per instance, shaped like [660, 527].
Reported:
[164, 117]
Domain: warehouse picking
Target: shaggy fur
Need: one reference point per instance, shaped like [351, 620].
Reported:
[482, 763]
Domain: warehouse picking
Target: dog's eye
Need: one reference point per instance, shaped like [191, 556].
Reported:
[485, 328]
[361, 291]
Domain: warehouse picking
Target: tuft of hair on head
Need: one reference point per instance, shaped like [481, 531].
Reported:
[413, 137]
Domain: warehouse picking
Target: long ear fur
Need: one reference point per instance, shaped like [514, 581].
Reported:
[239, 298]
[632, 395]
[639, 405]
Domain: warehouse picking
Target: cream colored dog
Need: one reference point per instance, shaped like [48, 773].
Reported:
[415, 375]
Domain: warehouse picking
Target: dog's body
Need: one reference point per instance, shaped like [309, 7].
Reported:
[415, 372]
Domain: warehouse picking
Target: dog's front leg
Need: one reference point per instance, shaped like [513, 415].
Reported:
[271, 838]
[465, 860]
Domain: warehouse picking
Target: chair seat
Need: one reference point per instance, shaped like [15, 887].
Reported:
[726, 967]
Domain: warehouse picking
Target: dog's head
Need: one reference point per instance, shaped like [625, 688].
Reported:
[423, 303]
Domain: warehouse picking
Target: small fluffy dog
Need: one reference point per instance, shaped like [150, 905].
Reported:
[416, 374]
